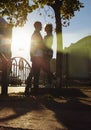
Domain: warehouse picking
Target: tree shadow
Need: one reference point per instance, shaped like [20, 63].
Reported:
[71, 111]
[20, 106]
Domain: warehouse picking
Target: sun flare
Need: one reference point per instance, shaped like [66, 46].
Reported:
[20, 42]
[18, 39]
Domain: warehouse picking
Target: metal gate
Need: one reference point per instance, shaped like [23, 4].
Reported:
[20, 69]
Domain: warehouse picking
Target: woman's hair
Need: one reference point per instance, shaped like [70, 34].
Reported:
[48, 28]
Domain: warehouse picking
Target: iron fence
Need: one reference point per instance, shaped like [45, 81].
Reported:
[20, 69]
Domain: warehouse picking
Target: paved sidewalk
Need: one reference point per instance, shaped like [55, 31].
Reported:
[69, 110]
[15, 89]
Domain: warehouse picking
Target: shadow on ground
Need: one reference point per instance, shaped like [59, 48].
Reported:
[71, 107]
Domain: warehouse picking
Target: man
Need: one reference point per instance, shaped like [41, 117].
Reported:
[36, 53]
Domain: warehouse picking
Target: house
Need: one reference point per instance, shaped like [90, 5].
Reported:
[5, 38]
[5, 49]
[77, 59]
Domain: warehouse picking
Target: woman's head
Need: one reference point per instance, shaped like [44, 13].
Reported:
[48, 28]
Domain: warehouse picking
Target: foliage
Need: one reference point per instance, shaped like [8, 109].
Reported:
[67, 8]
[16, 11]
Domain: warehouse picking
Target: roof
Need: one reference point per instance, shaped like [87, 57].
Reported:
[5, 29]
[2, 21]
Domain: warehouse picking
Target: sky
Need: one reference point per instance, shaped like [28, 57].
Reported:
[80, 26]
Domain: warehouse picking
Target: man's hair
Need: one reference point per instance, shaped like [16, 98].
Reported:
[37, 24]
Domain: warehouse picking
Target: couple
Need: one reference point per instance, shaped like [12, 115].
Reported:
[41, 53]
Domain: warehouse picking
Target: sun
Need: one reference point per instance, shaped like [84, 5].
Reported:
[20, 42]
[18, 39]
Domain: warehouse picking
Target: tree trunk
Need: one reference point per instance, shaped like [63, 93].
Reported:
[59, 55]
[4, 88]
[6, 66]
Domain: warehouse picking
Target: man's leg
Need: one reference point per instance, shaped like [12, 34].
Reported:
[36, 66]
[36, 79]
[28, 84]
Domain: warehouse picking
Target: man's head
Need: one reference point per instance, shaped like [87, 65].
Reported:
[38, 25]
